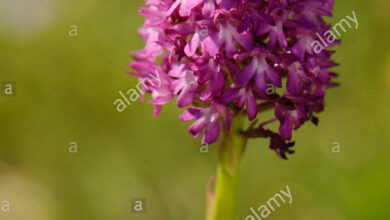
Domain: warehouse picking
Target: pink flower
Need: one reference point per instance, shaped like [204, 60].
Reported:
[220, 57]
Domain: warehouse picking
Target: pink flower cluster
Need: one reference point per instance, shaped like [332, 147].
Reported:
[221, 56]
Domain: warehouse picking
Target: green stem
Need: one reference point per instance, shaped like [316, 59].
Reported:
[222, 205]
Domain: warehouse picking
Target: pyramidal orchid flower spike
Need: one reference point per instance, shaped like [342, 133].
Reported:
[221, 59]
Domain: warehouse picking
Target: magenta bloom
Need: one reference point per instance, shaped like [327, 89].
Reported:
[221, 57]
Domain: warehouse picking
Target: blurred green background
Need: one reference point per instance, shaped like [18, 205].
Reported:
[65, 89]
